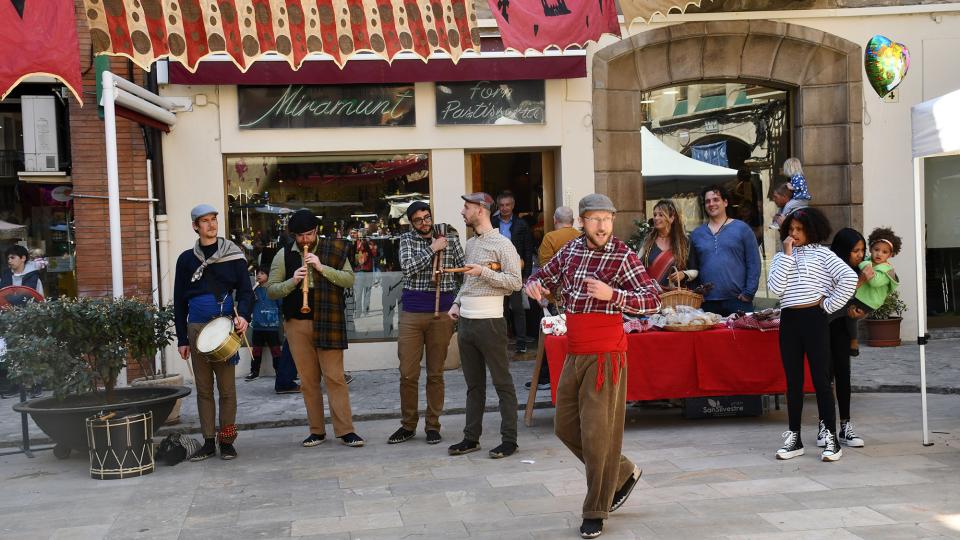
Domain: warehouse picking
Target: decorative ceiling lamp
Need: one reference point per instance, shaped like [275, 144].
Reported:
[189, 30]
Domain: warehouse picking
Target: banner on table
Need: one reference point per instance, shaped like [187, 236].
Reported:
[188, 30]
[39, 38]
[540, 24]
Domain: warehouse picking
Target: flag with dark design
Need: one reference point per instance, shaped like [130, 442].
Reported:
[539, 24]
[188, 30]
[39, 37]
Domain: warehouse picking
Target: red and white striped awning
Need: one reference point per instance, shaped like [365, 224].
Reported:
[188, 30]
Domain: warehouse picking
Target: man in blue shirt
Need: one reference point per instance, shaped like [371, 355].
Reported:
[728, 255]
[517, 231]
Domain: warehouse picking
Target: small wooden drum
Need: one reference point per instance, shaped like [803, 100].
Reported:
[120, 447]
[218, 341]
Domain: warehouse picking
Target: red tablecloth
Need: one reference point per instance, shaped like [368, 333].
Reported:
[665, 365]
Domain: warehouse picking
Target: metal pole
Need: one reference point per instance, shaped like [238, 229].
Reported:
[158, 364]
[921, 286]
[113, 182]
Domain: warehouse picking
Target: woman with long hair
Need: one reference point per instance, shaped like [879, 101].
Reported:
[812, 283]
[666, 251]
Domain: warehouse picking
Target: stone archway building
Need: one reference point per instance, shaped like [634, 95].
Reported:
[821, 70]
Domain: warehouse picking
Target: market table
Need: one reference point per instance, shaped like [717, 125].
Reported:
[670, 365]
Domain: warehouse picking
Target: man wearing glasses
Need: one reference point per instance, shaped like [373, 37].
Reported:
[418, 328]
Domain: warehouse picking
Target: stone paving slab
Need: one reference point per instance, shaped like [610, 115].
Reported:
[278, 489]
[375, 394]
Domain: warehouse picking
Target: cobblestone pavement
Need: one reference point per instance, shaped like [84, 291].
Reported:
[375, 394]
[712, 478]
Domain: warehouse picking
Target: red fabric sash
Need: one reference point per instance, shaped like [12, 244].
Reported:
[600, 334]
[661, 266]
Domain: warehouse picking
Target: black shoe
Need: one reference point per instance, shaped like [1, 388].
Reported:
[854, 352]
[623, 493]
[591, 528]
[521, 346]
[227, 451]
[313, 440]
[400, 435]
[252, 377]
[352, 439]
[505, 449]
[463, 447]
[543, 385]
[36, 391]
[347, 378]
[209, 449]
[792, 446]
[291, 390]
[433, 436]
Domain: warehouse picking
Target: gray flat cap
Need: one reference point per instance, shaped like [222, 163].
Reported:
[201, 210]
[479, 197]
[596, 201]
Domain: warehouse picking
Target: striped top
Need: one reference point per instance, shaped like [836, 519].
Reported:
[811, 273]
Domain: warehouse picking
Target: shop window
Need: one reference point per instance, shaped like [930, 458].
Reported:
[358, 197]
[737, 126]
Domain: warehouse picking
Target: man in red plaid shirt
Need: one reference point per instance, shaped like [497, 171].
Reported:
[599, 278]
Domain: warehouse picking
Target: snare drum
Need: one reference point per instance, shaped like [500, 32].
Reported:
[218, 341]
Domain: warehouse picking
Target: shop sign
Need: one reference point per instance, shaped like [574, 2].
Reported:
[491, 102]
[300, 106]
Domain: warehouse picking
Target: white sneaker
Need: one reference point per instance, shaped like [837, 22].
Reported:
[848, 436]
[822, 435]
[831, 451]
[792, 446]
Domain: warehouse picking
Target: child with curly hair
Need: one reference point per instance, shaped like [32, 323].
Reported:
[793, 170]
[877, 276]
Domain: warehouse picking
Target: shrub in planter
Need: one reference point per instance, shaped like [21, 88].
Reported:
[883, 325]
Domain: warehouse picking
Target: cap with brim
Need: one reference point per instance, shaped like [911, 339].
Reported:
[481, 198]
[201, 210]
[596, 202]
[416, 206]
[302, 221]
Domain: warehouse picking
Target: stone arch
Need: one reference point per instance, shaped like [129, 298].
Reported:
[821, 70]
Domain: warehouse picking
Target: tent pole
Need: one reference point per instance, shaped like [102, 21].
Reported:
[921, 287]
[113, 192]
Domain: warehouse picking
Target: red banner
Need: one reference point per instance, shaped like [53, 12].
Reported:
[41, 41]
[540, 24]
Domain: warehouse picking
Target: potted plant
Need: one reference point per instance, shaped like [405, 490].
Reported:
[154, 337]
[78, 347]
[883, 325]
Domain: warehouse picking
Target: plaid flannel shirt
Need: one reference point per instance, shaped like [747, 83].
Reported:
[634, 292]
[416, 262]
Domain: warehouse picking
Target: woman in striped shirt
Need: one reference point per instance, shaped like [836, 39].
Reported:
[811, 282]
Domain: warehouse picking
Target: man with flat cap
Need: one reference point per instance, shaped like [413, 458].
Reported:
[419, 248]
[210, 280]
[482, 331]
[317, 338]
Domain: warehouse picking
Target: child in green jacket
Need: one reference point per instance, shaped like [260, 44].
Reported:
[879, 278]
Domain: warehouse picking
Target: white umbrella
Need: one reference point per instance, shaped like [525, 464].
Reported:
[12, 231]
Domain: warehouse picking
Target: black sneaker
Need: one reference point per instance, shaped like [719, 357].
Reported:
[400, 435]
[505, 449]
[854, 352]
[540, 385]
[352, 439]
[792, 446]
[433, 436]
[521, 346]
[347, 378]
[313, 440]
[209, 449]
[591, 528]
[622, 494]
[291, 390]
[463, 447]
[252, 377]
[848, 436]
[832, 451]
[227, 451]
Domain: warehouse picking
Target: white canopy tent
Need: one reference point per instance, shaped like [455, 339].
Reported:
[935, 133]
[661, 161]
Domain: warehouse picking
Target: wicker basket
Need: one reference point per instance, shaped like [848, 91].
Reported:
[681, 297]
[689, 328]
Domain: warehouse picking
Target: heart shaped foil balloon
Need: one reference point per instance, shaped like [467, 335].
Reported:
[886, 63]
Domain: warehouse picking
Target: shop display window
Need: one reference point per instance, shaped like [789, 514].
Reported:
[359, 197]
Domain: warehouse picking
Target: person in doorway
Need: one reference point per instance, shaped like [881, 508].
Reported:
[19, 272]
[266, 325]
[211, 278]
[812, 282]
[318, 337]
[729, 259]
[517, 231]
[599, 279]
[553, 241]
[482, 332]
[419, 247]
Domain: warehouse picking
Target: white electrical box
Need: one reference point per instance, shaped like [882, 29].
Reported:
[40, 151]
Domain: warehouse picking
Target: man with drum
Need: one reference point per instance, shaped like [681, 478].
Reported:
[211, 281]
[598, 278]
[420, 323]
[314, 321]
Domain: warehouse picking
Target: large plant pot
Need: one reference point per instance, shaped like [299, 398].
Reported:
[883, 332]
[65, 421]
[164, 380]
